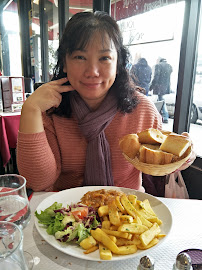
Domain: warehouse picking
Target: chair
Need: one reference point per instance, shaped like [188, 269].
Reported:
[159, 105]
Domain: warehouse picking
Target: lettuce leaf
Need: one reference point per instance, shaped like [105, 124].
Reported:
[82, 232]
[51, 219]
[56, 224]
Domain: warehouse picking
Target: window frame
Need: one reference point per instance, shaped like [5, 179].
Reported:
[187, 68]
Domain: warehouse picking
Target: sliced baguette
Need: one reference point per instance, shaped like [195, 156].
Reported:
[151, 136]
[130, 145]
[143, 148]
[153, 155]
[175, 144]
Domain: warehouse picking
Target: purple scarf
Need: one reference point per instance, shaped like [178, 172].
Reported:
[92, 124]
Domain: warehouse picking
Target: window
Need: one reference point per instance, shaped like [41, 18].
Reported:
[35, 42]
[153, 30]
[45, 34]
[196, 108]
[10, 57]
[79, 6]
[44, 30]
[151, 34]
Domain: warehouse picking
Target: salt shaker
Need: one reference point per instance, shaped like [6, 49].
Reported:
[146, 263]
[183, 262]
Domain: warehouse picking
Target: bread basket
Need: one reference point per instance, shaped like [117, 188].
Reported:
[159, 170]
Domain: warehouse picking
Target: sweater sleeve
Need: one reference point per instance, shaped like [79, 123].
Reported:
[38, 159]
[148, 115]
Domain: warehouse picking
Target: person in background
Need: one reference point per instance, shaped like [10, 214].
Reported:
[161, 84]
[141, 73]
[70, 127]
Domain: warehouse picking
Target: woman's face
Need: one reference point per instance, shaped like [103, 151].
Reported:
[92, 71]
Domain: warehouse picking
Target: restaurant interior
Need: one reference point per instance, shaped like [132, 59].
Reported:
[30, 31]
[30, 34]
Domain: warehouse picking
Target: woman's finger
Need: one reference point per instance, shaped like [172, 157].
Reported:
[186, 134]
[59, 81]
[59, 85]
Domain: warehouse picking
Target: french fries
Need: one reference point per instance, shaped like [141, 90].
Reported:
[90, 250]
[114, 217]
[128, 206]
[103, 210]
[127, 225]
[116, 233]
[104, 239]
[106, 224]
[147, 236]
[125, 250]
[126, 219]
[132, 228]
[105, 253]
[125, 242]
[88, 243]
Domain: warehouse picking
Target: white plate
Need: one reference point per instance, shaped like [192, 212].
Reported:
[74, 195]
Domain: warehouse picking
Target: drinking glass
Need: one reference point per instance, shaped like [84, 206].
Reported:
[11, 247]
[14, 204]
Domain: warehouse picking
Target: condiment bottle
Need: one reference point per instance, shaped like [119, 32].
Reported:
[146, 263]
[183, 262]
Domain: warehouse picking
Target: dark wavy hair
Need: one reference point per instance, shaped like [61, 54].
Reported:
[78, 32]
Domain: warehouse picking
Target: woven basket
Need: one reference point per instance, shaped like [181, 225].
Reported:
[159, 170]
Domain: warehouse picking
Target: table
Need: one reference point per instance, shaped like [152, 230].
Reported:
[9, 126]
[186, 233]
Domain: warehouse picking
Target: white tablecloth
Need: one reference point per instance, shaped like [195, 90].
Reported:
[186, 233]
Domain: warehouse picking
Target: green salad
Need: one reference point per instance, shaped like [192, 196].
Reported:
[69, 224]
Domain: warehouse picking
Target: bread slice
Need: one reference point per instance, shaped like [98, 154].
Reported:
[168, 158]
[175, 144]
[166, 132]
[153, 155]
[151, 136]
[130, 145]
[142, 151]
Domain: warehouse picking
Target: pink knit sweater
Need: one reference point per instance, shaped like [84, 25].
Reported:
[55, 159]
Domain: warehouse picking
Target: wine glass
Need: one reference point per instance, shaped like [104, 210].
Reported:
[14, 205]
[11, 247]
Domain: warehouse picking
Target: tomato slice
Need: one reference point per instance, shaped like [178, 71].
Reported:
[80, 213]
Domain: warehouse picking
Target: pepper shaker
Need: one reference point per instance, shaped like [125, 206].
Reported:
[183, 262]
[146, 263]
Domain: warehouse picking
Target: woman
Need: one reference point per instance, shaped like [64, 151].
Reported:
[70, 127]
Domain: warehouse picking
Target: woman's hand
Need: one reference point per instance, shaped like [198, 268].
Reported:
[47, 96]
[191, 158]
